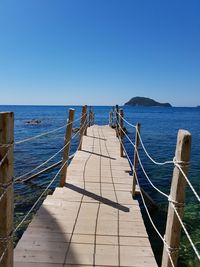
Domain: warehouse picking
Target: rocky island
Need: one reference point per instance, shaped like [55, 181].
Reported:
[145, 102]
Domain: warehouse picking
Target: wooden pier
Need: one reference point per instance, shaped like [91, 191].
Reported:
[93, 217]
[93, 220]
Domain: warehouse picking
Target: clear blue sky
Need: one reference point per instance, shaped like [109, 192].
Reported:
[99, 51]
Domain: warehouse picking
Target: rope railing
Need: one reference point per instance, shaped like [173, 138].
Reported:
[129, 139]
[35, 204]
[174, 162]
[4, 187]
[43, 134]
[6, 238]
[49, 159]
[147, 177]
[39, 198]
[160, 163]
[185, 230]
[142, 167]
[120, 132]
[130, 124]
[187, 180]
[172, 203]
[148, 155]
[145, 206]
[143, 146]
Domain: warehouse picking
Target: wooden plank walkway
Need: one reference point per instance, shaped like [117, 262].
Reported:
[93, 220]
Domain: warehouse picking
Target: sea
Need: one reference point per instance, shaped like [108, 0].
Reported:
[159, 128]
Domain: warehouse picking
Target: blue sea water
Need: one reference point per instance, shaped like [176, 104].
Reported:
[159, 127]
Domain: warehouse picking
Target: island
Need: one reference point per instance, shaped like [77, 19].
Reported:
[145, 102]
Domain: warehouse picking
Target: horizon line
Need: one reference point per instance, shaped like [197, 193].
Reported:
[94, 105]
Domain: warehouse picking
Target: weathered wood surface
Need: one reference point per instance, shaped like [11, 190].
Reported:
[177, 195]
[93, 220]
[6, 188]
[67, 143]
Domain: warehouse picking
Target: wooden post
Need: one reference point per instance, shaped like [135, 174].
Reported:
[82, 128]
[67, 144]
[6, 183]
[177, 197]
[85, 121]
[117, 120]
[90, 117]
[110, 118]
[121, 131]
[135, 160]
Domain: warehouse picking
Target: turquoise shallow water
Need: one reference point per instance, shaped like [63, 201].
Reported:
[159, 127]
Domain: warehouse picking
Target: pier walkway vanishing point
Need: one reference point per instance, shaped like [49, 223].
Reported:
[93, 220]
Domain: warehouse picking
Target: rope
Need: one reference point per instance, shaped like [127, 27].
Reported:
[147, 211]
[41, 172]
[4, 187]
[173, 203]
[144, 148]
[3, 194]
[37, 201]
[45, 162]
[35, 204]
[43, 134]
[42, 164]
[153, 160]
[176, 203]
[186, 178]
[7, 241]
[5, 156]
[186, 232]
[176, 163]
[145, 173]
[4, 252]
[132, 125]
[127, 136]
[38, 136]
